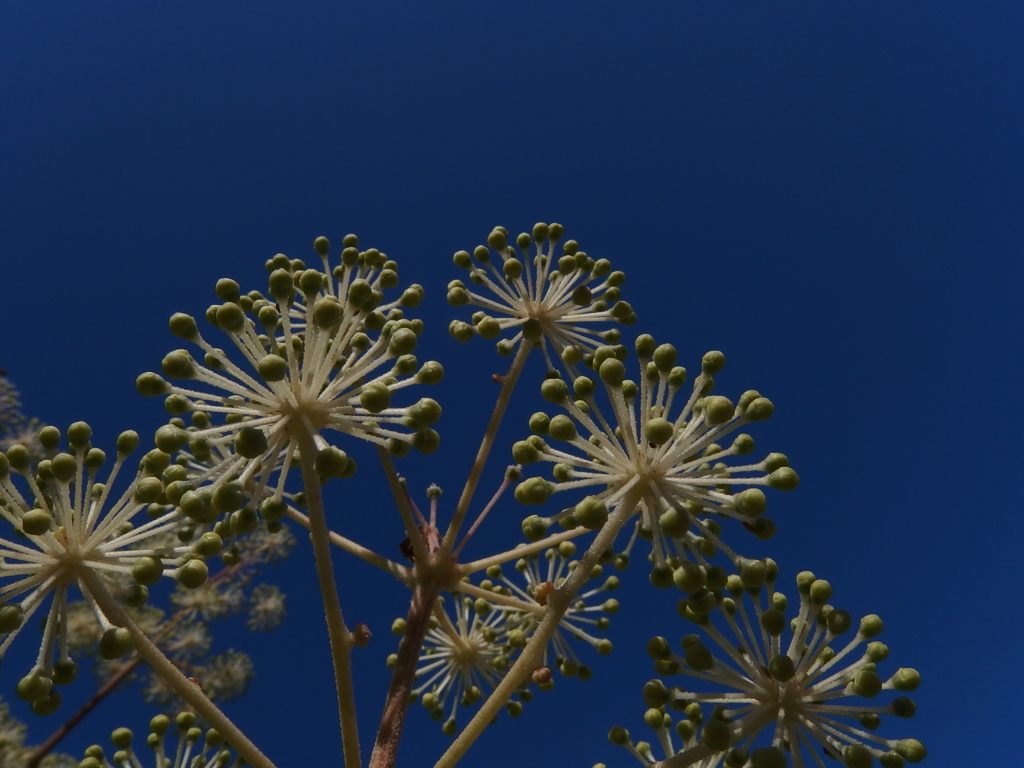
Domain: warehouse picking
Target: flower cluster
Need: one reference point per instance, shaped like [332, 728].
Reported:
[528, 600]
[561, 300]
[461, 659]
[68, 528]
[313, 355]
[670, 468]
[771, 697]
[194, 748]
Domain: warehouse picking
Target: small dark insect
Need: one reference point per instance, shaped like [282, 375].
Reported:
[497, 378]
[195, 682]
[405, 547]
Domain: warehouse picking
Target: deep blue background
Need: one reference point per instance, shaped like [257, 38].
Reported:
[830, 192]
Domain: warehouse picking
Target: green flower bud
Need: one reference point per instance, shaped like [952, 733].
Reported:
[870, 626]
[759, 409]
[147, 570]
[562, 428]
[591, 513]
[753, 573]
[718, 410]
[699, 658]
[554, 391]
[838, 621]
[115, 643]
[183, 326]
[750, 503]
[716, 735]
[905, 679]
[866, 683]
[774, 621]
[403, 342]
[820, 592]
[903, 706]
[426, 441]
[170, 439]
[659, 648]
[36, 522]
[534, 528]
[658, 431]
[712, 363]
[431, 373]
[34, 687]
[151, 385]
[782, 668]
[193, 574]
[375, 397]
[250, 442]
[612, 372]
[783, 479]
[911, 750]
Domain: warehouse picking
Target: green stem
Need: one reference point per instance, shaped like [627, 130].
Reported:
[529, 659]
[340, 637]
[507, 385]
[170, 674]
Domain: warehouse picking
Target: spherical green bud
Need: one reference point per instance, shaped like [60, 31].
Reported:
[193, 574]
[209, 545]
[712, 363]
[753, 573]
[432, 372]
[151, 385]
[591, 513]
[911, 750]
[784, 479]
[644, 345]
[612, 372]
[665, 357]
[183, 326]
[534, 528]
[718, 410]
[716, 735]
[603, 647]
[674, 522]
[658, 431]
[539, 423]
[562, 428]
[47, 706]
[698, 657]
[820, 592]
[147, 570]
[127, 442]
[36, 522]
[170, 438]
[272, 368]
[426, 441]
[870, 626]
[64, 672]
[905, 679]
[228, 497]
[11, 617]
[782, 668]
[774, 621]
[524, 452]
[34, 687]
[866, 683]
[750, 503]
[659, 648]
[403, 342]
[250, 442]
[903, 706]
[375, 397]
[554, 390]
[115, 643]
[618, 736]
[760, 409]
[122, 737]
[689, 577]
[656, 694]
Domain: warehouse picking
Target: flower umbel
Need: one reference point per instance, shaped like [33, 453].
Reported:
[194, 748]
[543, 576]
[69, 523]
[309, 363]
[670, 467]
[561, 299]
[806, 695]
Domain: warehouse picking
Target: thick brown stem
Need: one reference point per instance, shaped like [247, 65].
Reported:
[55, 738]
[385, 750]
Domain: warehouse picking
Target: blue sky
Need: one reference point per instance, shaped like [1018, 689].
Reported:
[830, 192]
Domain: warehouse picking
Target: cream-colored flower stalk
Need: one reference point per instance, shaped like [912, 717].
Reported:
[70, 531]
[558, 296]
[323, 352]
[670, 464]
[193, 749]
[776, 688]
[585, 616]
